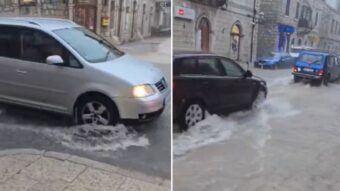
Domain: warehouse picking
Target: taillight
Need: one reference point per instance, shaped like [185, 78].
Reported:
[294, 69]
[321, 73]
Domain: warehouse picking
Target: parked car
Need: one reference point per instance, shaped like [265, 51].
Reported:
[317, 67]
[207, 82]
[296, 50]
[56, 65]
[275, 60]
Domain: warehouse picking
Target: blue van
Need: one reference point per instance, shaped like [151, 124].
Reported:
[317, 67]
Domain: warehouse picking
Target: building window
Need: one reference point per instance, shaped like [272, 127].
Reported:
[293, 41]
[287, 7]
[297, 10]
[306, 13]
[236, 40]
[316, 18]
[27, 2]
[144, 9]
[299, 42]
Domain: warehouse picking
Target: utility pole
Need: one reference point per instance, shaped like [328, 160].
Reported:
[252, 32]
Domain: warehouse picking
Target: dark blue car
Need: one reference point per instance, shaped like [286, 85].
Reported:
[317, 67]
[275, 60]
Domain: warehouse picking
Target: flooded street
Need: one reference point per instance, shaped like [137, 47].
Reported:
[130, 147]
[289, 143]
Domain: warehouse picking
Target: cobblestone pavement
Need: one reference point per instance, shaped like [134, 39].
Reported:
[34, 170]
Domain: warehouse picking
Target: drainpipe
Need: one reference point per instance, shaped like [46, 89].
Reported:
[70, 9]
[99, 16]
[39, 7]
[120, 17]
[252, 33]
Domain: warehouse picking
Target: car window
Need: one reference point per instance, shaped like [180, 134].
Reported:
[209, 67]
[231, 68]
[185, 66]
[9, 42]
[37, 46]
[311, 59]
[331, 61]
[90, 46]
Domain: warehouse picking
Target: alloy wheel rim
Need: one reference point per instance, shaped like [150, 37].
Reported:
[95, 113]
[193, 115]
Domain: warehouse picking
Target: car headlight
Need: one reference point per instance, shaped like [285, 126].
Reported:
[143, 91]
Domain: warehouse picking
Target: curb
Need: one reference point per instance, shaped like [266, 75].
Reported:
[90, 163]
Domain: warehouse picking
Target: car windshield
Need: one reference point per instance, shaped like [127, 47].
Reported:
[311, 59]
[89, 45]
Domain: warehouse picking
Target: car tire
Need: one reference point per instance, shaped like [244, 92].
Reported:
[97, 110]
[326, 80]
[259, 98]
[297, 79]
[192, 113]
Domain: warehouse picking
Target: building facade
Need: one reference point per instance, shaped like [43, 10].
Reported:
[289, 24]
[219, 26]
[125, 20]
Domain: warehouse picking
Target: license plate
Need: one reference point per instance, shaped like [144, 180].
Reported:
[308, 70]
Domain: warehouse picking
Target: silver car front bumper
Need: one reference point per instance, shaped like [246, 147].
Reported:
[142, 108]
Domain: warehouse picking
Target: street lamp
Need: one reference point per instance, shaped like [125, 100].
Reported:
[257, 18]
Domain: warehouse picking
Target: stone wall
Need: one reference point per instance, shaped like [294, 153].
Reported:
[8, 7]
[142, 23]
[221, 22]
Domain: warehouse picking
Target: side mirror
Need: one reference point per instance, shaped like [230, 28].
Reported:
[248, 74]
[55, 60]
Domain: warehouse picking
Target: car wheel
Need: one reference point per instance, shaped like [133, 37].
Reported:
[193, 112]
[297, 79]
[97, 111]
[326, 80]
[259, 99]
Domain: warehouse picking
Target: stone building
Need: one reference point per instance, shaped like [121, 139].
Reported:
[124, 19]
[289, 24]
[219, 26]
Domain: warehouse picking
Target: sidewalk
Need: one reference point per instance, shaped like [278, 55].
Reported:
[33, 170]
[155, 50]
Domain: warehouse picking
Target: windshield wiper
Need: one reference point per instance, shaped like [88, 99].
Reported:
[107, 55]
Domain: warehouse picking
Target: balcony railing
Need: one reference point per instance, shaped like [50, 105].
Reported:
[305, 23]
[213, 3]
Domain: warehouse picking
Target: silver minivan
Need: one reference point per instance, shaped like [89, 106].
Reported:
[57, 65]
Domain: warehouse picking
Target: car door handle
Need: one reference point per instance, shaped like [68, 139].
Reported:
[21, 72]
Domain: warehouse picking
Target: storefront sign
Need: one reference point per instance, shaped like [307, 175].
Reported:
[105, 21]
[184, 13]
[286, 28]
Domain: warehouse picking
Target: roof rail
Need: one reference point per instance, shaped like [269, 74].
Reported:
[33, 23]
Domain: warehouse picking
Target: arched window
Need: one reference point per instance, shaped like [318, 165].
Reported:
[235, 41]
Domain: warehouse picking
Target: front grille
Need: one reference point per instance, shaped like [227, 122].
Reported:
[161, 85]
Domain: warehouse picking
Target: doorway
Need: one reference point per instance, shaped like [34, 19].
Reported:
[203, 34]
[86, 15]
